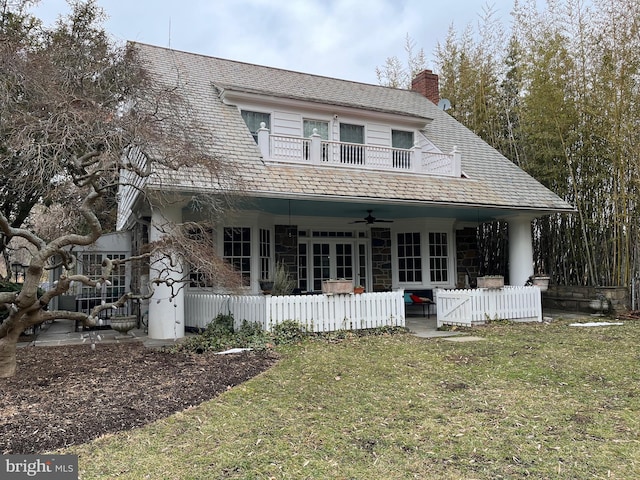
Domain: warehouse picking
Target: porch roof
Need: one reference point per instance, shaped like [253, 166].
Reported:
[493, 180]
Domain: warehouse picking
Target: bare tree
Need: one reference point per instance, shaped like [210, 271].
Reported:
[395, 74]
[76, 109]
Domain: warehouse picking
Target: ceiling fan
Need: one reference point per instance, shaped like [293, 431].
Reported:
[370, 219]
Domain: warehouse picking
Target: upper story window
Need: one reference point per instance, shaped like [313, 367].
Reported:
[321, 126]
[253, 121]
[403, 141]
[352, 154]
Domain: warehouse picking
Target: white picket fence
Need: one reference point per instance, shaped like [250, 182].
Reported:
[475, 307]
[318, 313]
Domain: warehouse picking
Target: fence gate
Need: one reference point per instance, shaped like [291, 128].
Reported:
[453, 308]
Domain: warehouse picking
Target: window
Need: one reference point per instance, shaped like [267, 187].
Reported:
[91, 266]
[352, 134]
[409, 261]
[253, 121]
[265, 254]
[323, 130]
[401, 142]
[438, 257]
[319, 125]
[237, 250]
[302, 266]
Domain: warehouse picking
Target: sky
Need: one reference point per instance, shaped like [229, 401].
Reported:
[344, 39]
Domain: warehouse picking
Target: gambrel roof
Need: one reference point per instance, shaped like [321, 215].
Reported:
[492, 180]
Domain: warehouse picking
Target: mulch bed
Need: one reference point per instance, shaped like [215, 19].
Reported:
[69, 395]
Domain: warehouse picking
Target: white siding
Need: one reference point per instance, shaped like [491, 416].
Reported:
[378, 134]
[286, 123]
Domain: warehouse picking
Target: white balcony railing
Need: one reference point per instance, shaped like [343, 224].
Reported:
[314, 150]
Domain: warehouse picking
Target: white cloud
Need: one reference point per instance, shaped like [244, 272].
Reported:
[339, 38]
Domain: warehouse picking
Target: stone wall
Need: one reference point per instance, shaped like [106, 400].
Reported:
[381, 258]
[577, 298]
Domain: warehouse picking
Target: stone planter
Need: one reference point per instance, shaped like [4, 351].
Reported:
[124, 323]
[541, 282]
[491, 281]
[333, 287]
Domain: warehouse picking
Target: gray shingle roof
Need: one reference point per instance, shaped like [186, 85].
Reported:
[493, 179]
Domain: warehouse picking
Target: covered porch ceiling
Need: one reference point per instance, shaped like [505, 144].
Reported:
[357, 209]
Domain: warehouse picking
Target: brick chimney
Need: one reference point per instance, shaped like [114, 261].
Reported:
[426, 83]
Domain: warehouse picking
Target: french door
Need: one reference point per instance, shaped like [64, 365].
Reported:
[333, 260]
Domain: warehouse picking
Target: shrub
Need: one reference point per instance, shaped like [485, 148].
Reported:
[288, 332]
[220, 335]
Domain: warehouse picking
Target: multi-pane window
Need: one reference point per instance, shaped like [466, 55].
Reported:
[409, 261]
[344, 260]
[253, 121]
[237, 250]
[321, 264]
[401, 142]
[438, 256]
[91, 266]
[302, 266]
[265, 254]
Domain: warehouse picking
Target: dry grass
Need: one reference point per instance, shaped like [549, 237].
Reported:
[544, 401]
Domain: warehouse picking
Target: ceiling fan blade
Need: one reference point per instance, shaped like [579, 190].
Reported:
[383, 221]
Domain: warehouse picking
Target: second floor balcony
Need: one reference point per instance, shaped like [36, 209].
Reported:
[316, 151]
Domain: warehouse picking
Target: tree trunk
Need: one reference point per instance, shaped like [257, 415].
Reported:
[8, 347]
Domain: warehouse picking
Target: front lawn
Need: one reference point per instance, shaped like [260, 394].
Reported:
[545, 401]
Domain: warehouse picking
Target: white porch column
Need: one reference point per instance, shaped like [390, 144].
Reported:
[520, 250]
[166, 308]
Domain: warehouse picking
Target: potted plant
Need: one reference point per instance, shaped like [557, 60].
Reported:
[358, 289]
[283, 282]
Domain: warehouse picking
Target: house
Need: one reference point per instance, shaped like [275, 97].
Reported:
[343, 180]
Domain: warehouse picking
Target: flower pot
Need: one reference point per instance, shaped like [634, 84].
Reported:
[266, 286]
[332, 287]
[491, 281]
[358, 290]
[123, 324]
